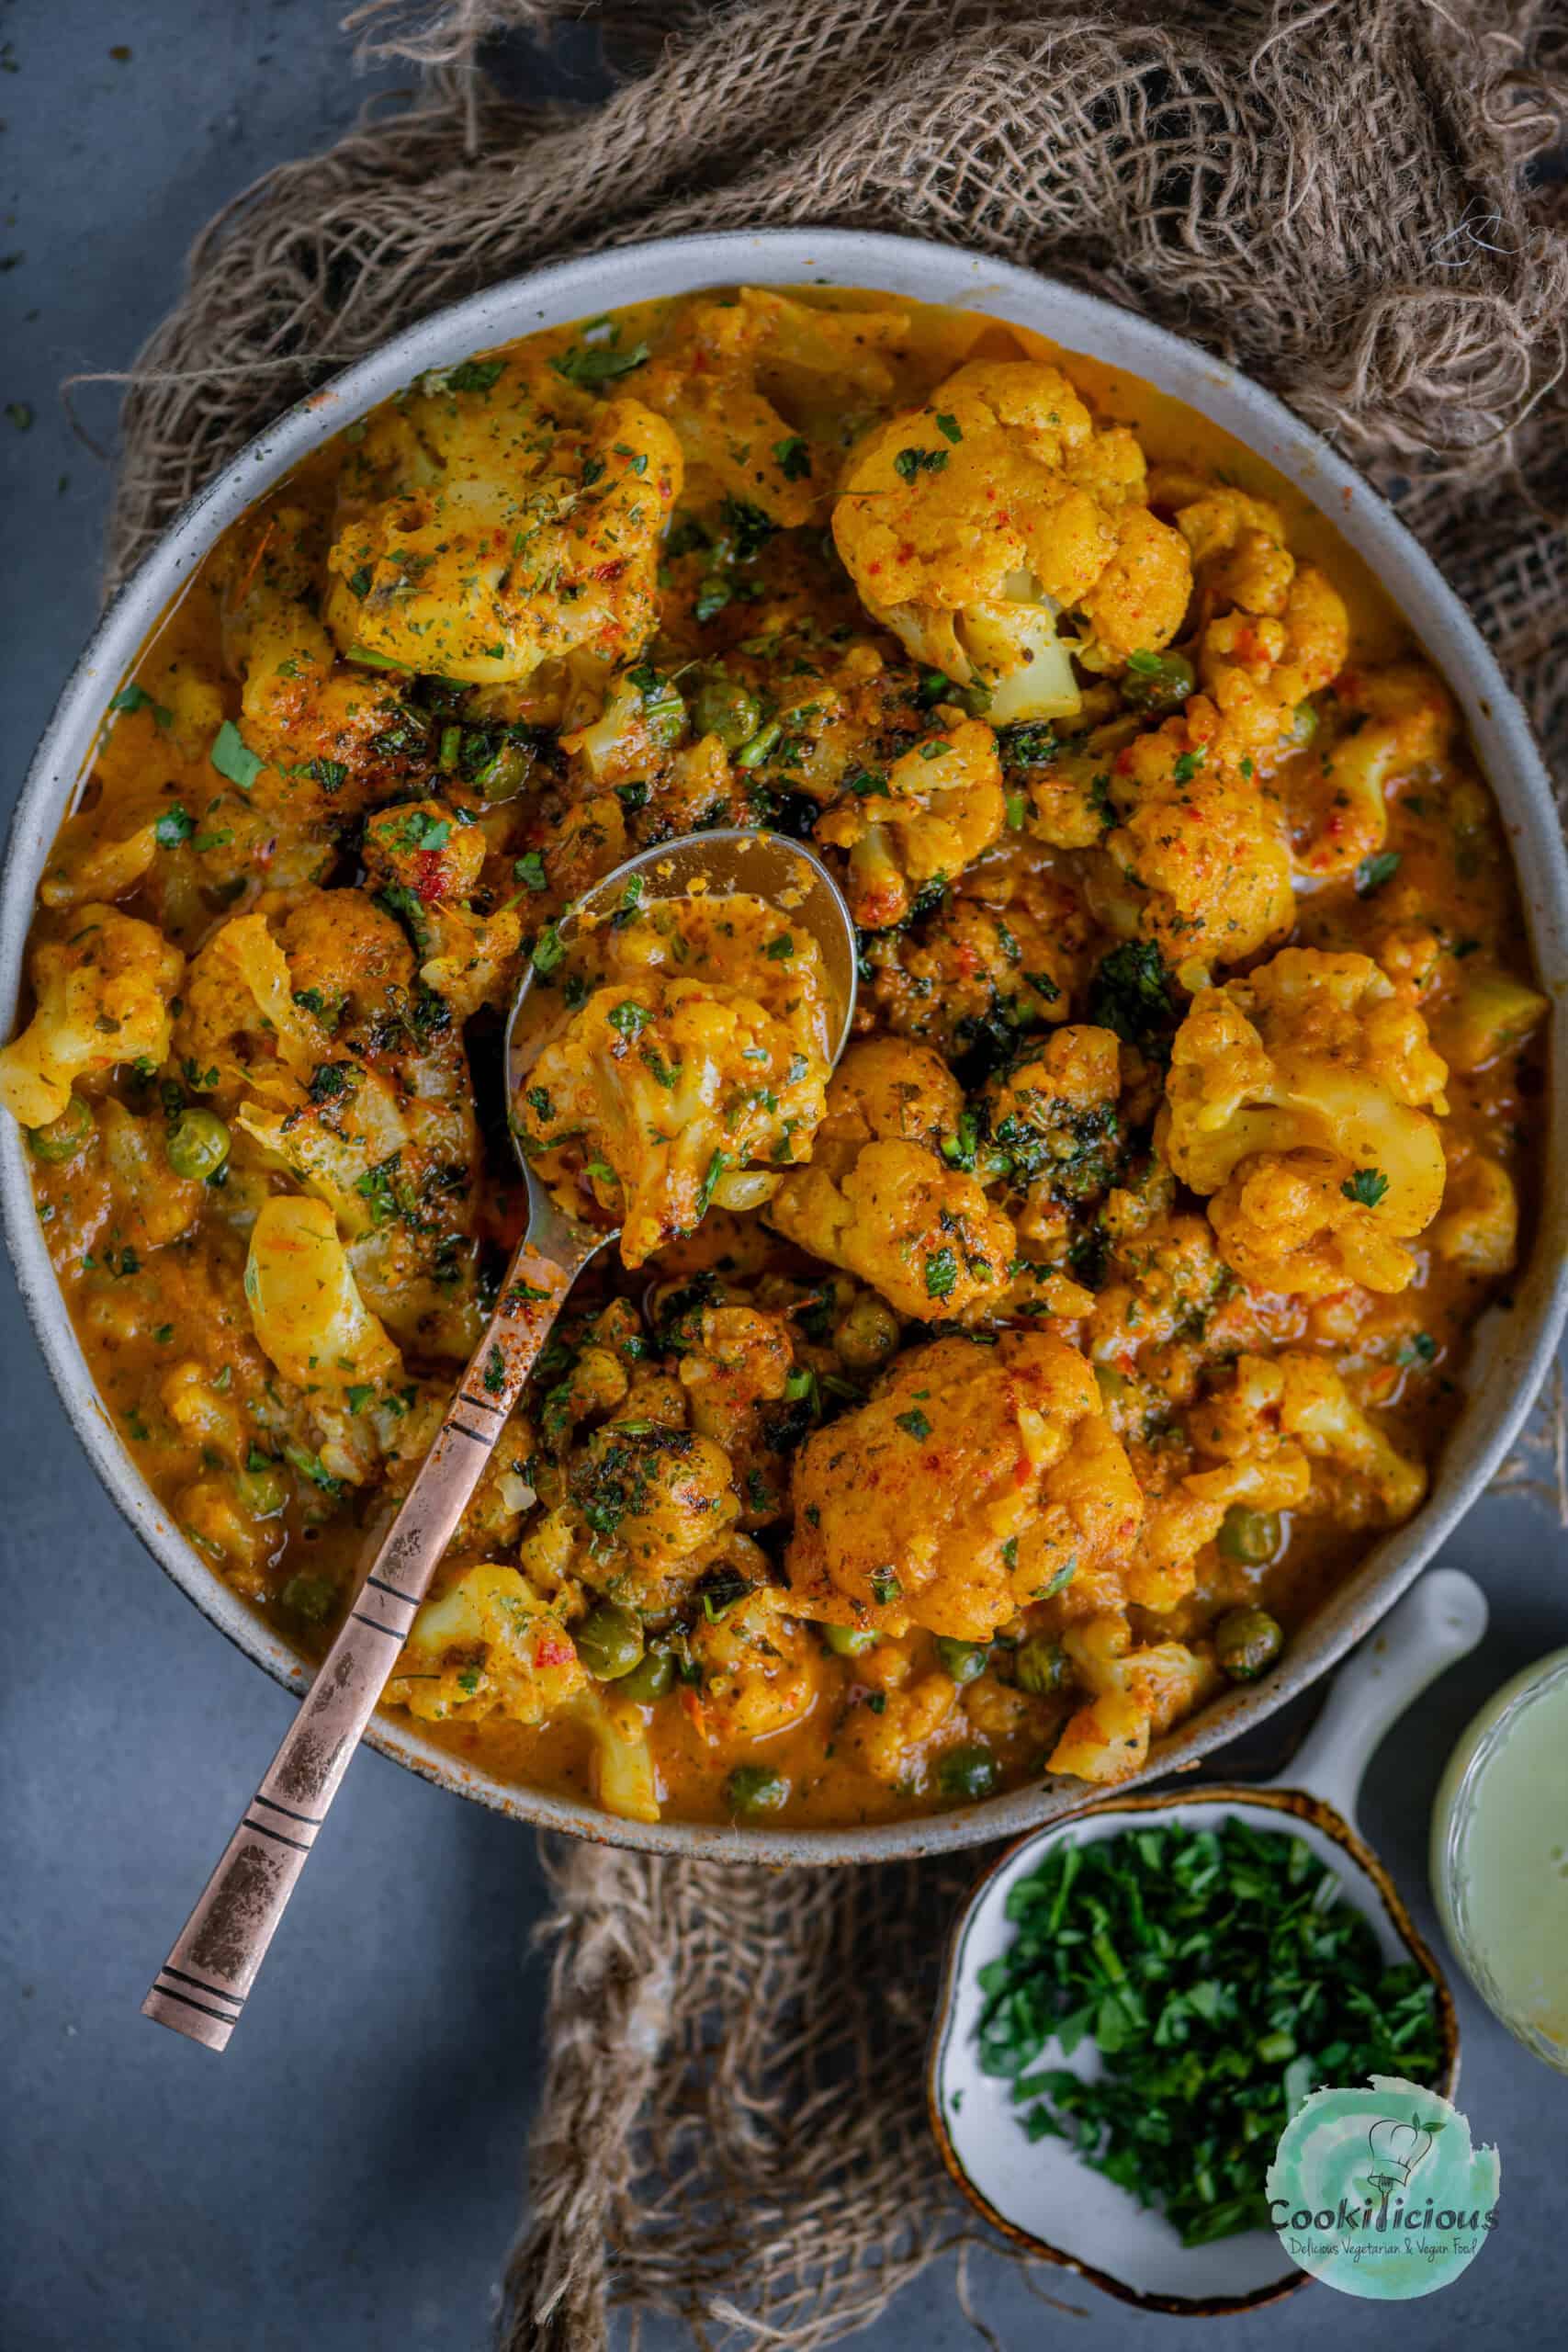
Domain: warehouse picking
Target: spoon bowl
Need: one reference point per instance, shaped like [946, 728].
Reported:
[724, 864]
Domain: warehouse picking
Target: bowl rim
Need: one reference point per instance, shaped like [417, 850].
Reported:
[1294, 1804]
[917, 269]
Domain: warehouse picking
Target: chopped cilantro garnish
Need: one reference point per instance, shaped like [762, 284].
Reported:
[942, 1272]
[175, 826]
[1365, 1187]
[135, 697]
[232, 757]
[1223, 1979]
[588, 364]
[1373, 872]
[793, 457]
[910, 462]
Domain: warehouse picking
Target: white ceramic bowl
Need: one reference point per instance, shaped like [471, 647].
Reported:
[1040, 2193]
[1517, 1347]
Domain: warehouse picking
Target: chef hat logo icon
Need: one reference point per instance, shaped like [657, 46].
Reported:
[1397, 2148]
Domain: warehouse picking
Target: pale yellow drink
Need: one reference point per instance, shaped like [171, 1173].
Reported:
[1500, 1855]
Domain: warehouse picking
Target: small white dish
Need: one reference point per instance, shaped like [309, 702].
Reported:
[1040, 2193]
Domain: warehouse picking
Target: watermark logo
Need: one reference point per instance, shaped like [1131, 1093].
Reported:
[1379, 2192]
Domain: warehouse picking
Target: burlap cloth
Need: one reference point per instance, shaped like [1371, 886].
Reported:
[1343, 197]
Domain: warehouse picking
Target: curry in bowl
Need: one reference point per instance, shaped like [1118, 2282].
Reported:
[970, 1414]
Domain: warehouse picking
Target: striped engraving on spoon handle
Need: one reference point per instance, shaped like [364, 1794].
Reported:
[202, 1990]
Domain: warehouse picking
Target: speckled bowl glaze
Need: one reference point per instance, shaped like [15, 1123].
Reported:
[1515, 1349]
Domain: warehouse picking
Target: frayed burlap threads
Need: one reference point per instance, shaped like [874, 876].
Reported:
[1333, 194]
[732, 2129]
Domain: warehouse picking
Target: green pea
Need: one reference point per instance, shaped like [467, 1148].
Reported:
[652, 1676]
[867, 1334]
[312, 1596]
[262, 1489]
[198, 1143]
[1158, 681]
[965, 1661]
[753, 1788]
[503, 774]
[1041, 1666]
[849, 1641]
[609, 1641]
[63, 1137]
[726, 708]
[967, 1772]
[1250, 1537]
[1248, 1642]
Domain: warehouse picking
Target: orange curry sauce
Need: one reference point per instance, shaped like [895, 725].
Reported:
[407, 836]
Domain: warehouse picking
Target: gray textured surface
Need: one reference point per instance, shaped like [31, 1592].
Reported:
[347, 2177]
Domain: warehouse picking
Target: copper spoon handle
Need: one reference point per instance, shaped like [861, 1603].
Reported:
[201, 1989]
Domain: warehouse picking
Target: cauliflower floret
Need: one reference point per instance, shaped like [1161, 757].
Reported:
[1478, 1229]
[652, 1502]
[1163, 1283]
[892, 1739]
[1050, 1123]
[1196, 858]
[879, 1201]
[1134, 1692]
[929, 815]
[332, 738]
[706, 1048]
[488, 1645]
[921, 1233]
[1164, 1567]
[730, 364]
[1398, 722]
[1299, 1098]
[241, 1012]
[1295, 1402]
[1489, 1014]
[429, 867]
[761, 1671]
[153, 1205]
[741, 1362]
[886, 1086]
[968, 526]
[306, 1309]
[1274, 633]
[346, 955]
[976, 1480]
[1001, 955]
[526, 541]
[103, 999]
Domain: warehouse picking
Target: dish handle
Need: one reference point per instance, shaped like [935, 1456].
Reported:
[1441, 1619]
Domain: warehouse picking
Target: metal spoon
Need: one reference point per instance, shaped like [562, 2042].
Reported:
[201, 1990]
